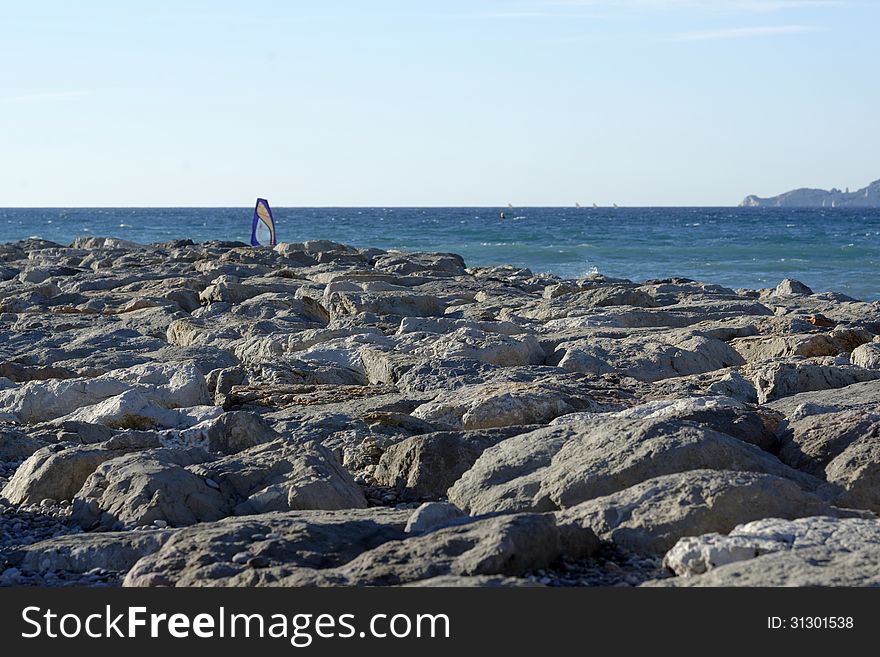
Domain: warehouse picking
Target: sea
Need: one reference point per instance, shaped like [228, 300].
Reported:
[828, 249]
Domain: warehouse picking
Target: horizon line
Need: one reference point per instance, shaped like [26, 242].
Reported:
[343, 207]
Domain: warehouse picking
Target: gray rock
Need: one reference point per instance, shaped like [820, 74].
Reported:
[140, 488]
[789, 287]
[432, 515]
[168, 386]
[506, 545]
[867, 356]
[782, 379]
[652, 516]
[283, 476]
[505, 404]
[301, 543]
[646, 357]
[79, 553]
[695, 555]
[59, 471]
[561, 466]
[425, 466]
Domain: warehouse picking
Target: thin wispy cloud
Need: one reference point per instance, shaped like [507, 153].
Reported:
[713, 5]
[604, 8]
[745, 32]
[47, 96]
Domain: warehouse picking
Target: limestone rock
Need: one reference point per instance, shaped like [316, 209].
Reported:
[564, 465]
[139, 488]
[818, 551]
[296, 542]
[284, 476]
[432, 515]
[652, 516]
[867, 356]
[59, 471]
[425, 466]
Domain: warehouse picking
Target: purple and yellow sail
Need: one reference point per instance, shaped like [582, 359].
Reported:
[263, 231]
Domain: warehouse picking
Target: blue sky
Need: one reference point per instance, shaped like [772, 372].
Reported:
[481, 102]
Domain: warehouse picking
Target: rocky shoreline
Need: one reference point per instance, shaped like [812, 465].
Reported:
[211, 414]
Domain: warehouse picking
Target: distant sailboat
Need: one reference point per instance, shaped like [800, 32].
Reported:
[263, 227]
[595, 207]
[616, 206]
[510, 206]
[576, 204]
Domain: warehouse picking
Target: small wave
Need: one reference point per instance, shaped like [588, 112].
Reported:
[129, 225]
[791, 225]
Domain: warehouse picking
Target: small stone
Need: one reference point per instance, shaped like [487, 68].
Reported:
[241, 557]
[212, 484]
[258, 537]
[47, 502]
[161, 524]
[258, 562]
[272, 536]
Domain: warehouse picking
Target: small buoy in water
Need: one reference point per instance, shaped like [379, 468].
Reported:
[502, 215]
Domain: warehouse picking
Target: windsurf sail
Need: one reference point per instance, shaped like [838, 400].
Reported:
[263, 231]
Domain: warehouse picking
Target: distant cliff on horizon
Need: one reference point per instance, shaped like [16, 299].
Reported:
[867, 197]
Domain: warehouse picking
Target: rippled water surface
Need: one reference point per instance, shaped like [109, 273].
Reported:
[835, 249]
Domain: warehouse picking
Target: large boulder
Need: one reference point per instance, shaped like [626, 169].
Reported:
[140, 488]
[57, 472]
[782, 379]
[166, 385]
[867, 356]
[505, 404]
[695, 555]
[284, 476]
[134, 410]
[425, 466]
[80, 553]
[766, 347]
[652, 516]
[646, 357]
[227, 433]
[283, 545]
[812, 440]
[505, 545]
[563, 465]
[818, 551]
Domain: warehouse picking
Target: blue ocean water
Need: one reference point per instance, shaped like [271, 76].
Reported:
[829, 250]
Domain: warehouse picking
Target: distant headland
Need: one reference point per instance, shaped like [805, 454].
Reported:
[867, 197]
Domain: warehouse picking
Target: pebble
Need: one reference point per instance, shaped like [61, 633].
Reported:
[161, 524]
[241, 557]
[258, 562]
[211, 483]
